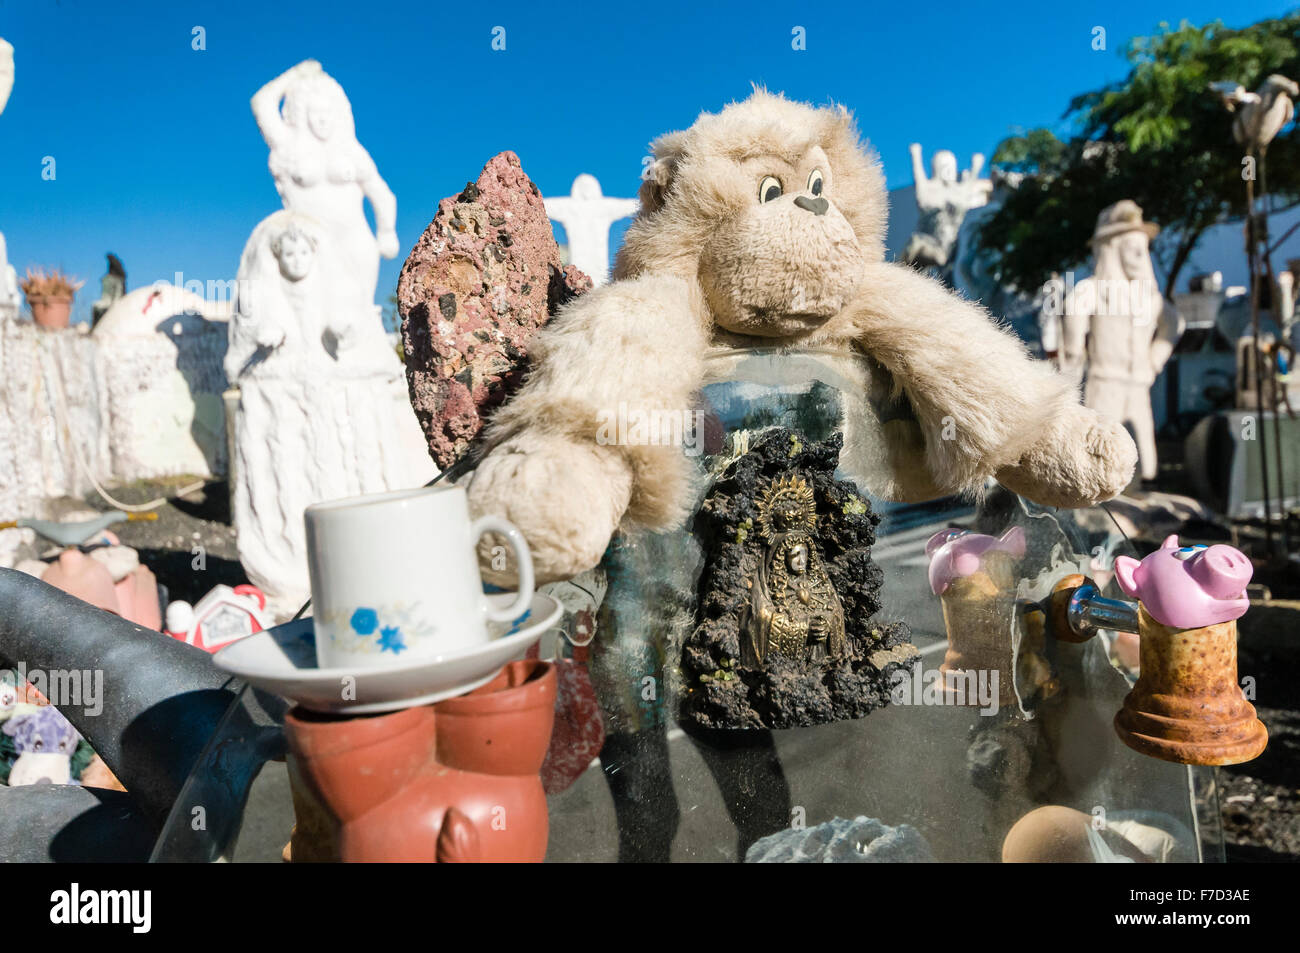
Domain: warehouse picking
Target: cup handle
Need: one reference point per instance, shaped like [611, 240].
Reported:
[496, 524]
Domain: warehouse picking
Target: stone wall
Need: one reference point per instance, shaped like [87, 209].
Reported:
[52, 405]
[138, 398]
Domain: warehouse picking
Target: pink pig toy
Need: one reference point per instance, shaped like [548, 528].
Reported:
[956, 553]
[1187, 587]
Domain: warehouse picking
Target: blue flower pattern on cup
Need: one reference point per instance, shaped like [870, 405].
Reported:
[365, 621]
[390, 640]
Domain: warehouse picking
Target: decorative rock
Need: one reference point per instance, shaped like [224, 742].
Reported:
[484, 276]
[863, 840]
[787, 593]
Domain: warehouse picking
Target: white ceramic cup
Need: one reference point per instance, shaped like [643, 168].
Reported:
[394, 577]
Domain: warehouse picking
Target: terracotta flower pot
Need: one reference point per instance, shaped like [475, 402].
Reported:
[454, 781]
[50, 311]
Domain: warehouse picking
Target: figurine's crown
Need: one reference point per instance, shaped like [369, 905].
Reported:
[786, 505]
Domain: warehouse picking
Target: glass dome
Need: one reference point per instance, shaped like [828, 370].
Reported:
[904, 761]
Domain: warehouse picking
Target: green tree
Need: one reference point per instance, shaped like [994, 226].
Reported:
[1159, 137]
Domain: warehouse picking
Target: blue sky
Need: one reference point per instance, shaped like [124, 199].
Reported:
[158, 159]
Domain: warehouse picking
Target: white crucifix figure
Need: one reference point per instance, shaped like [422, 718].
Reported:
[586, 215]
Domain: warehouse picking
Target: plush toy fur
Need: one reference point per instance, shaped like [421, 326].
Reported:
[707, 264]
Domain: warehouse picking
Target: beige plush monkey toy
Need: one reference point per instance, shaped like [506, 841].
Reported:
[764, 224]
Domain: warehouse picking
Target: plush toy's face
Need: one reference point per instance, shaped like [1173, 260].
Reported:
[785, 259]
[774, 207]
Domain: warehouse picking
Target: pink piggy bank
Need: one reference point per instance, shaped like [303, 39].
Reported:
[1188, 587]
[956, 553]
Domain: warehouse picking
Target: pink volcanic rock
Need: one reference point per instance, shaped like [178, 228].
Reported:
[484, 276]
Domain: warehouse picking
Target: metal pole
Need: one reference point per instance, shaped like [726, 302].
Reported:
[1251, 258]
[1274, 402]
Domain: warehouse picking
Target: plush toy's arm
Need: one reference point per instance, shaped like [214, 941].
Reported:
[567, 464]
[984, 406]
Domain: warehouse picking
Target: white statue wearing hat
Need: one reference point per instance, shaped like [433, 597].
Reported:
[1128, 328]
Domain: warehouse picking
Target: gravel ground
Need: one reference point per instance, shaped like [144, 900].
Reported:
[1260, 800]
[167, 545]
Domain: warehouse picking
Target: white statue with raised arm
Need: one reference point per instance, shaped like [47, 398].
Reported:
[586, 215]
[943, 198]
[322, 172]
[323, 408]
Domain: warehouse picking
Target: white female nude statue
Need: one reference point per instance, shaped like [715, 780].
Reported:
[323, 409]
[323, 173]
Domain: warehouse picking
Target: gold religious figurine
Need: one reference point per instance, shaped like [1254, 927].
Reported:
[794, 610]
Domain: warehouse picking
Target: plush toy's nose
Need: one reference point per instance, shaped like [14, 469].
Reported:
[817, 206]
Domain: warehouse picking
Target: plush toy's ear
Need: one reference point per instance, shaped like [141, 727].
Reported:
[858, 184]
[1126, 572]
[1171, 542]
[657, 179]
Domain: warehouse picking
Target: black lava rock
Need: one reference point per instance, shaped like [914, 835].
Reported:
[721, 689]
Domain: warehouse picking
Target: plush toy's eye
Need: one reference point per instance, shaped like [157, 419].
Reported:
[1187, 552]
[815, 182]
[769, 189]
[40, 743]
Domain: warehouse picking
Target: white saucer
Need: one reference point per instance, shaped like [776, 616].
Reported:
[282, 661]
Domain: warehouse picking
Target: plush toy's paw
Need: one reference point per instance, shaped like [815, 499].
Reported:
[1083, 459]
[566, 498]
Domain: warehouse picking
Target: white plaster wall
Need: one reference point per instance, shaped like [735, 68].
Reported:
[51, 399]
